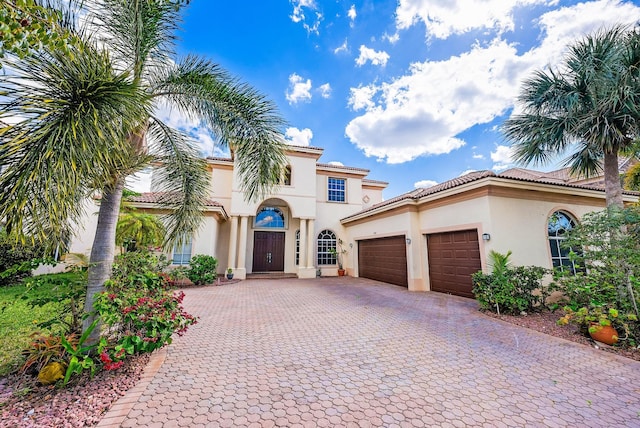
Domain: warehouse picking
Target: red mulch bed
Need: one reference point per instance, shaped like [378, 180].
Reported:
[26, 403]
[545, 322]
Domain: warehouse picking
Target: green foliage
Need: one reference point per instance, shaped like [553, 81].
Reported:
[17, 260]
[43, 349]
[24, 310]
[510, 290]
[609, 278]
[202, 269]
[136, 230]
[80, 355]
[141, 317]
[129, 266]
[68, 289]
[632, 178]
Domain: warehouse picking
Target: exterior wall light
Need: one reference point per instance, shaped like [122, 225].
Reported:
[408, 241]
[486, 237]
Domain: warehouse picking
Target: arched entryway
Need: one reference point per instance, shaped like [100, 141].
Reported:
[270, 225]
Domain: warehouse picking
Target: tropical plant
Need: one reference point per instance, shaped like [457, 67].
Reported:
[510, 289]
[202, 269]
[588, 105]
[89, 122]
[338, 252]
[139, 230]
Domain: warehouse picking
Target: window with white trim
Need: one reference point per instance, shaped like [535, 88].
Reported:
[297, 247]
[336, 189]
[558, 225]
[326, 242]
[182, 251]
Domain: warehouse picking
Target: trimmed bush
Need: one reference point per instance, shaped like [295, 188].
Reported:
[202, 269]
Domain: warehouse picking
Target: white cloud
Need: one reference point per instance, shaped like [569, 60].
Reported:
[299, 89]
[478, 156]
[336, 163]
[140, 182]
[325, 90]
[391, 38]
[502, 158]
[368, 54]
[342, 48]
[298, 137]
[298, 15]
[424, 184]
[352, 14]
[468, 171]
[424, 111]
[445, 18]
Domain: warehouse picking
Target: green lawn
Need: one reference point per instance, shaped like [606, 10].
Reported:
[18, 319]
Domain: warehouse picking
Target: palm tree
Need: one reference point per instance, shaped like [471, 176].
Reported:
[82, 123]
[589, 105]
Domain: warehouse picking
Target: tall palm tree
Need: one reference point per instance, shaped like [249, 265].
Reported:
[589, 105]
[82, 123]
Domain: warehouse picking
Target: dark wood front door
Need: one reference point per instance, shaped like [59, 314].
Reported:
[268, 251]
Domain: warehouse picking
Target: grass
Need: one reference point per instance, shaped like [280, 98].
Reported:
[37, 307]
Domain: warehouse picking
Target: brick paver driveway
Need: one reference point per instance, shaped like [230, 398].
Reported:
[353, 352]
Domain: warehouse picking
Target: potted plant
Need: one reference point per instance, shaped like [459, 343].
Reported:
[229, 273]
[337, 253]
[598, 321]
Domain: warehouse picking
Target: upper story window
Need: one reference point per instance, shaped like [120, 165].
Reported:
[336, 189]
[326, 242]
[270, 217]
[182, 252]
[286, 179]
[558, 225]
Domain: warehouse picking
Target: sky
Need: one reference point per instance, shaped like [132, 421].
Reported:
[413, 90]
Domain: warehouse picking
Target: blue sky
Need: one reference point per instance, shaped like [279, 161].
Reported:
[413, 90]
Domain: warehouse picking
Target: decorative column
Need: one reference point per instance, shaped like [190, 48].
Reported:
[233, 240]
[302, 257]
[241, 269]
[310, 242]
[305, 268]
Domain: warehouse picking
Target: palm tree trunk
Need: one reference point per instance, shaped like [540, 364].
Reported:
[613, 188]
[103, 250]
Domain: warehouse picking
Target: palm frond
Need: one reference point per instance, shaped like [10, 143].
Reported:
[64, 110]
[183, 178]
[237, 114]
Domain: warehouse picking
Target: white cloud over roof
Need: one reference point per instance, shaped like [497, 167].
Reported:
[424, 184]
[325, 90]
[502, 158]
[298, 137]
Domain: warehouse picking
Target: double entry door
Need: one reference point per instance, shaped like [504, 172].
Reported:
[268, 251]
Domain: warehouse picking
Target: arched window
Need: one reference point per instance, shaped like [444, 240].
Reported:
[297, 247]
[558, 225]
[270, 217]
[326, 242]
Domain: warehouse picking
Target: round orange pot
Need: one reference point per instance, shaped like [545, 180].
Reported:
[603, 333]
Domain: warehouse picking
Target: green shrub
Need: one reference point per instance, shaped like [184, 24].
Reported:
[202, 269]
[129, 266]
[512, 290]
[14, 260]
[608, 276]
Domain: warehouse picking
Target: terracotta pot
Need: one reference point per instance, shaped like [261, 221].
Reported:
[603, 333]
[341, 272]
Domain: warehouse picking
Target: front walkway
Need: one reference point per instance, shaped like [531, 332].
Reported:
[353, 352]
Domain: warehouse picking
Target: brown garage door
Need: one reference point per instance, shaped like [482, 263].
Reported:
[384, 259]
[453, 257]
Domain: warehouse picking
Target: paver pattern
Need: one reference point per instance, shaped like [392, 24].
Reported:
[352, 352]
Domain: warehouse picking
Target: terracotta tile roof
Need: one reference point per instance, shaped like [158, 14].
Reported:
[165, 197]
[366, 180]
[513, 174]
[351, 168]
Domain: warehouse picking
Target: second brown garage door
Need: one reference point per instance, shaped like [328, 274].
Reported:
[453, 257]
[384, 259]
